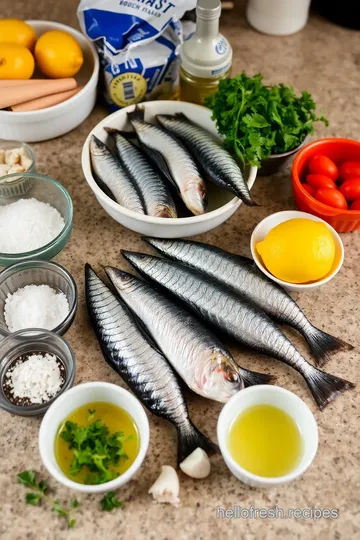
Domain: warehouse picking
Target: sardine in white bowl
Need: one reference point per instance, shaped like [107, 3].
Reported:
[265, 226]
[291, 404]
[71, 400]
[34, 126]
[222, 204]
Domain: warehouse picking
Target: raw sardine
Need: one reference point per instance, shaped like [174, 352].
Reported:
[236, 316]
[173, 161]
[214, 161]
[242, 275]
[193, 351]
[152, 187]
[128, 350]
[111, 174]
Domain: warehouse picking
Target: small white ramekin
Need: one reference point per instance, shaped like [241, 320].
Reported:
[265, 226]
[71, 400]
[289, 403]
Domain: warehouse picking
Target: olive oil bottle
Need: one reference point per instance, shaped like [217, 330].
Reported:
[206, 55]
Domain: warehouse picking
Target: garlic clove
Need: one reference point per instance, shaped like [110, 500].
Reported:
[4, 169]
[26, 162]
[197, 464]
[12, 156]
[16, 168]
[167, 487]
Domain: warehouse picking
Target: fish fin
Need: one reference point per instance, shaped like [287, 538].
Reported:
[137, 114]
[322, 344]
[190, 438]
[325, 387]
[180, 116]
[251, 378]
[126, 134]
[104, 187]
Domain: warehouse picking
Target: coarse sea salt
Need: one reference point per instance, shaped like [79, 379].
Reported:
[28, 224]
[38, 378]
[35, 306]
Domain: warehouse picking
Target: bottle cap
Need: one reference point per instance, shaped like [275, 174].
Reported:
[208, 9]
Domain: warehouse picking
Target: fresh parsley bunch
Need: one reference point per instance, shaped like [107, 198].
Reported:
[258, 120]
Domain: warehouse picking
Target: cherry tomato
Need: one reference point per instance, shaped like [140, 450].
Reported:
[331, 197]
[311, 191]
[323, 165]
[351, 188]
[349, 169]
[319, 180]
[355, 205]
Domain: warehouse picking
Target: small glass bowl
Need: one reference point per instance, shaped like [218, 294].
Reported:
[27, 342]
[37, 272]
[50, 191]
[16, 184]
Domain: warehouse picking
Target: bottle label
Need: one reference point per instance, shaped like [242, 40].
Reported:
[222, 46]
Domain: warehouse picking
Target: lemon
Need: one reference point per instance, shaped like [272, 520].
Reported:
[17, 32]
[298, 251]
[58, 54]
[16, 62]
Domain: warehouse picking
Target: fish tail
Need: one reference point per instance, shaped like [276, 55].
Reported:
[126, 134]
[323, 386]
[190, 438]
[322, 344]
[252, 378]
[137, 114]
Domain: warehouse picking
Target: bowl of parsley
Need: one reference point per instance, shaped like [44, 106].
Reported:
[263, 126]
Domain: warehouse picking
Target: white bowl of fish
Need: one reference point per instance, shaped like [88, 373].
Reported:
[71, 400]
[268, 223]
[160, 188]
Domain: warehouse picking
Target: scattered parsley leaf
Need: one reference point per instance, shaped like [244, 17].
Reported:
[66, 513]
[27, 478]
[71, 523]
[109, 501]
[59, 510]
[74, 503]
[33, 498]
[257, 120]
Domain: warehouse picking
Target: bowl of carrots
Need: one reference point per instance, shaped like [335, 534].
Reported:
[326, 182]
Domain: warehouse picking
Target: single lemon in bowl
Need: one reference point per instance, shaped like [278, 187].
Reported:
[17, 32]
[16, 62]
[58, 54]
[298, 250]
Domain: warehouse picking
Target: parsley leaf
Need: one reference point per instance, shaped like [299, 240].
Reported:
[28, 479]
[109, 501]
[66, 513]
[33, 498]
[257, 120]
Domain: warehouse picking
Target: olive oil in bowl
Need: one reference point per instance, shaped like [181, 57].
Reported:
[265, 441]
[96, 443]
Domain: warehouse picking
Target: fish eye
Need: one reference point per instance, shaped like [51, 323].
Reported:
[231, 376]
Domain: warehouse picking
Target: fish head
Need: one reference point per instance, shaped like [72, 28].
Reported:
[220, 377]
[97, 147]
[195, 196]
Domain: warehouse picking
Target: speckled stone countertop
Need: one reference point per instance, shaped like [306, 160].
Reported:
[325, 60]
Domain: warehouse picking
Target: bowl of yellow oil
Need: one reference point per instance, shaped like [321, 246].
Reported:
[267, 435]
[94, 437]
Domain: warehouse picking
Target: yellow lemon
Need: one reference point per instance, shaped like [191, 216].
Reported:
[58, 54]
[17, 32]
[298, 251]
[16, 62]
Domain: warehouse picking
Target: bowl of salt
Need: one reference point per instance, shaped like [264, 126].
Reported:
[37, 294]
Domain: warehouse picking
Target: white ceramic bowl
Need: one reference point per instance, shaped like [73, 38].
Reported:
[33, 126]
[265, 226]
[222, 204]
[71, 400]
[289, 403]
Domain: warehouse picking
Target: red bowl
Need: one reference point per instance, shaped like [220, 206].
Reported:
[339, 150]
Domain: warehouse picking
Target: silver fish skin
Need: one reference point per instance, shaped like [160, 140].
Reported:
[152, 187]
[214, 161]
[243, 276]
[127, 349]
[237, 317]
[111, 174]
[173, 160]
[198, 357]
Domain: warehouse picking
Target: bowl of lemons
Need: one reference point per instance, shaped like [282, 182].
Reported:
[297, 250]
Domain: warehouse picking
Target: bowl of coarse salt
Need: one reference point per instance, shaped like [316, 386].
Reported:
[37, 294]
[37, 224]
[36, 367]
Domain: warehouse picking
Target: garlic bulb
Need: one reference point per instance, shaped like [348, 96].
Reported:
[197, 464]
[166, 488]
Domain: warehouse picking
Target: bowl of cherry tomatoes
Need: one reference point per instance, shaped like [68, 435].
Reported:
[326, 182]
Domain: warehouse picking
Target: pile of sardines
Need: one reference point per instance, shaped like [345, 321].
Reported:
[173, 158]
[148, 336]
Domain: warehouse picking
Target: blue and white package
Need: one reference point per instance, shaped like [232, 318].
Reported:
[138, 43]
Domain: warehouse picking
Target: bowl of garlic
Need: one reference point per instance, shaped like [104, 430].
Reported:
[15, 157]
